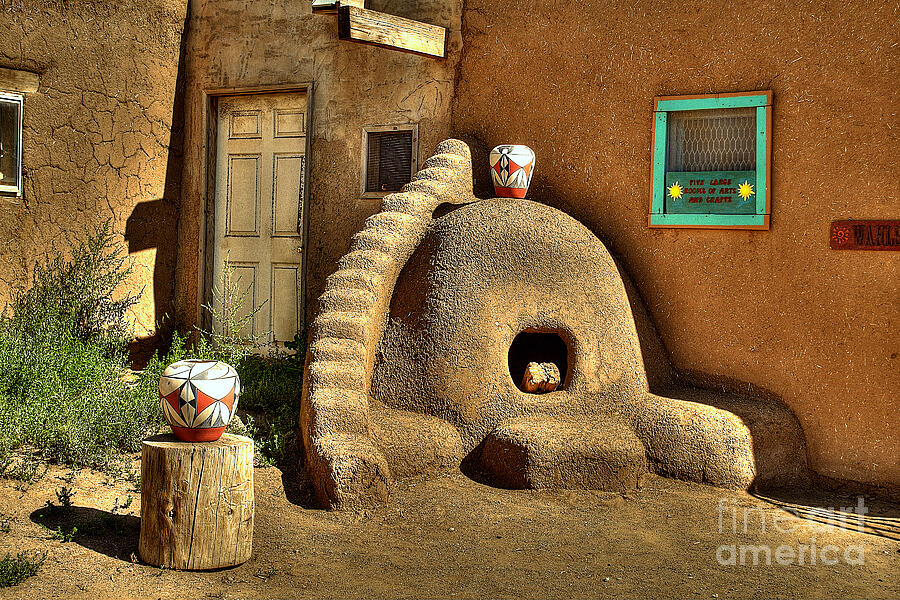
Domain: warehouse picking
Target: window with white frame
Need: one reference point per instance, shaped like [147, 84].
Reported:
[11, 106]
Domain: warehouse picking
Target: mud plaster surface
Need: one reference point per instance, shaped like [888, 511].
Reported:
[818, 331]
[779, 310]
[483, 274]
[240, 43]
[96, 135]
[492, 269]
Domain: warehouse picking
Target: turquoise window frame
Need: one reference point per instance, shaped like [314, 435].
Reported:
[663, 105]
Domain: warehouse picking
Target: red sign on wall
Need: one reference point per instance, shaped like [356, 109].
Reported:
[865, 235]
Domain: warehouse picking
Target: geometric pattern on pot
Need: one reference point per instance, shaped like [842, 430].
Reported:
[512, 166]
[198, 398]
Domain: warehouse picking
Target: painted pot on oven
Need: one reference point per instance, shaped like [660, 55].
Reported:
[198, 398]
[512, 166]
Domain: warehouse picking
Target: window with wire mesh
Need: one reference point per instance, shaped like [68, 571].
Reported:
[388, 160]
[711, 140]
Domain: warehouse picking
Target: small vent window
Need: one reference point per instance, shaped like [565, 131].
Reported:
[390, 160]
[11, 144]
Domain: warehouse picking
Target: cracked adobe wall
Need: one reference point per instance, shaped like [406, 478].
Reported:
[239, 44]
[777, 309]
[97, 135]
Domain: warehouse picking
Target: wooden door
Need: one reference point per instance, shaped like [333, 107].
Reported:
[259, 206]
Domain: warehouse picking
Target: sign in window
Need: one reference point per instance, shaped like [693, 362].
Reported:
[711, 161]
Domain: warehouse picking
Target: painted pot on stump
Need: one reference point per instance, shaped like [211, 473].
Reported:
[512, 166]
[198, 398]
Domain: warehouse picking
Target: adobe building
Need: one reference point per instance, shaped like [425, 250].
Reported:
[202, 128]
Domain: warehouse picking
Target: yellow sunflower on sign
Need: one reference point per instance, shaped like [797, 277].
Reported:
[675, 190]
[745, 190]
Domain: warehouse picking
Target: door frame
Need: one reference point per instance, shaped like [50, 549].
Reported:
[210, 104]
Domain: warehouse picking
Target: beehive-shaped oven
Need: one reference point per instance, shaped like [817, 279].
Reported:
[497, 335]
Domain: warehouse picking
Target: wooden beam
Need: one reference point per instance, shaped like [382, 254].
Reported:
[380, 29]
[329, 7]
[19, 81]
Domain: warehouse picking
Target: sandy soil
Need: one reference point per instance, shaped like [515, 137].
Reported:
[452, 537]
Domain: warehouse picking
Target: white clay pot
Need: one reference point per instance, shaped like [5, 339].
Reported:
[198, 398]
[512, 166]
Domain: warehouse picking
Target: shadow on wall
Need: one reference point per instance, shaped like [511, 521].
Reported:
[154, 224]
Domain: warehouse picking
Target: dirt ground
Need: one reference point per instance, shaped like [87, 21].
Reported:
[452, 537]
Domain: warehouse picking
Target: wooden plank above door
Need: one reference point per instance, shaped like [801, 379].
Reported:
[380, 29]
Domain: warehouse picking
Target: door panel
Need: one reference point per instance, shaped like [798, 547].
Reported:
[245, 124]
[287, 213]
[289, 123]
[258, 214]
[242, 206]
[285, 301]
[246, 287]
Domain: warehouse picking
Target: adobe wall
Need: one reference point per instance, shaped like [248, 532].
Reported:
[241, 44]
[777, 309]
[97, 135]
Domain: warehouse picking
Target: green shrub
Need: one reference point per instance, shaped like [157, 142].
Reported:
[63, 394]
[67, 399]
[66, 393]
[270, 395]
[16, 569]
[76, 294]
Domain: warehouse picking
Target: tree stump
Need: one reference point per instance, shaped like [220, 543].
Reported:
[196, 502]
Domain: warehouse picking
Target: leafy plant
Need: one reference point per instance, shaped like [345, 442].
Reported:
[135, 478]
[66, 393]
[270, 398]
[16, 569]
[78, 293]
[24, 466]
[124, 505]
[231, 338]
[63, 397]
[64, 495]
[59, 534]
